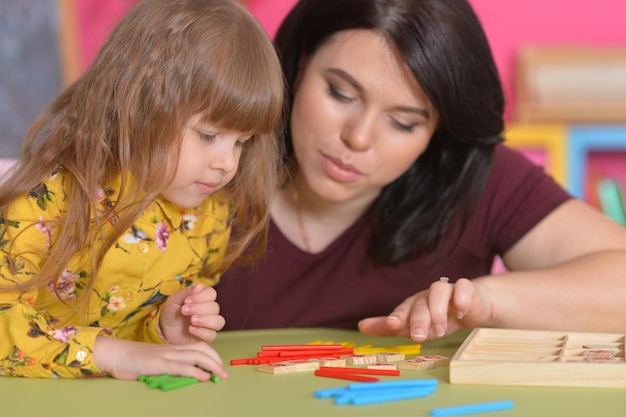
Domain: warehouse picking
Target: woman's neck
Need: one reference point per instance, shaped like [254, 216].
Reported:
[310, 222]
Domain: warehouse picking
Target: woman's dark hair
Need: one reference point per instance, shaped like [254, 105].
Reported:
[444, 45]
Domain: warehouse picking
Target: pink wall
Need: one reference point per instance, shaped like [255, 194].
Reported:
[512, 23]
[508, 23]
[96, 19]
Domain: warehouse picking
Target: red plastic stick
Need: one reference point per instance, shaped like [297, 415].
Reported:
[339, 370]
[349, 377]
[311, 353]
[271, 359]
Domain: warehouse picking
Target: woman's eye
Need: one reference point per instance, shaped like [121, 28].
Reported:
[402, 126]
[334, 92]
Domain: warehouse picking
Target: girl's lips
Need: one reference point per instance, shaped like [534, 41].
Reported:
[339, 171]
[206, 188]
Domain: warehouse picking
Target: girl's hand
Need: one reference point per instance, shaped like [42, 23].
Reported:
[191, 315]
[125, 359]
[439, 311]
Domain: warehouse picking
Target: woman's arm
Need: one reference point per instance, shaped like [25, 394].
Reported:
[568, 272]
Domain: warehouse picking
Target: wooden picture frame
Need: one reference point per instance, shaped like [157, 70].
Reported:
[551, 139]
[571, 84]
[69, 40]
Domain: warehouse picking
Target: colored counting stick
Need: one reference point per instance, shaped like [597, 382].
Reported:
[378, 392]
[170, 382]
[325, 348]
[380, 397]
[365, 371]
[167, 382]
[349, 377]
[471, 408]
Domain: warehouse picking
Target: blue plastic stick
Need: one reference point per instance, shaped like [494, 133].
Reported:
[327, 393]
[471, 408]
[396, 384]
[367, 397]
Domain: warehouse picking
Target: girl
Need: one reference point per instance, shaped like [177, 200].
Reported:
[117, 219]
[399, 177]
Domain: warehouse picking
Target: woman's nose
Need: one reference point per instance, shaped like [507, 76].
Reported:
[358, 132]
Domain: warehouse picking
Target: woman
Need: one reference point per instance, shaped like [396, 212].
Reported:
[398, 176]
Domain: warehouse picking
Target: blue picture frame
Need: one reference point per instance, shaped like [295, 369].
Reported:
[584, 139]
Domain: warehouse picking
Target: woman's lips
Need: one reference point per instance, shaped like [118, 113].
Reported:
[339, 171]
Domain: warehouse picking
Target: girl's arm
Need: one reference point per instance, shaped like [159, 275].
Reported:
[31, 346]
[125, 359]
[33, 343]
[568, 272]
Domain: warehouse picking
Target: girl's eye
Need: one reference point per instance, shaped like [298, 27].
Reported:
[334, 92]
[209, 137]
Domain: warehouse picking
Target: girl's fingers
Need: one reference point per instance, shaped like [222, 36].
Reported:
[202, 333]
[124, 359]
[198, 355]
[212, 322]
[201, 294]
[210, 308]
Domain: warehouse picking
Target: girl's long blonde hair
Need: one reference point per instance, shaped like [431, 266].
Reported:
[166, 61]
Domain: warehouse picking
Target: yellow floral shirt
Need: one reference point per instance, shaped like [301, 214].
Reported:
[167, 248]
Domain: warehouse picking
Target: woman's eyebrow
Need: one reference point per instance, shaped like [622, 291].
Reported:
[347, 77]
[359, 87]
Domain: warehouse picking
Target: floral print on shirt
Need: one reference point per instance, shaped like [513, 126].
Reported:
[166, 249]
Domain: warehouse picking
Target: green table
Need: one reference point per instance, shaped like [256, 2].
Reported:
[249, 393]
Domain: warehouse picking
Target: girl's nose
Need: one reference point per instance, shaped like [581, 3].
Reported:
[224, 158]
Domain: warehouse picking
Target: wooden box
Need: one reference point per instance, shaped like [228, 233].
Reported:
[540, 358]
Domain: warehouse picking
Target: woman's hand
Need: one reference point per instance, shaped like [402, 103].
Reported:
[125, 359]
[191, 315]
[439, 311]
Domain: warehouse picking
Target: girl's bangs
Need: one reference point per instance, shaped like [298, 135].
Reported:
[245, 93]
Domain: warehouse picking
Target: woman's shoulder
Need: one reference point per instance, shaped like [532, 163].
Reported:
[512, 168]
[518, 194]
[505, 155]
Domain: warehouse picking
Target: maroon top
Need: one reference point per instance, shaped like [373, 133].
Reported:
[340, 286]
